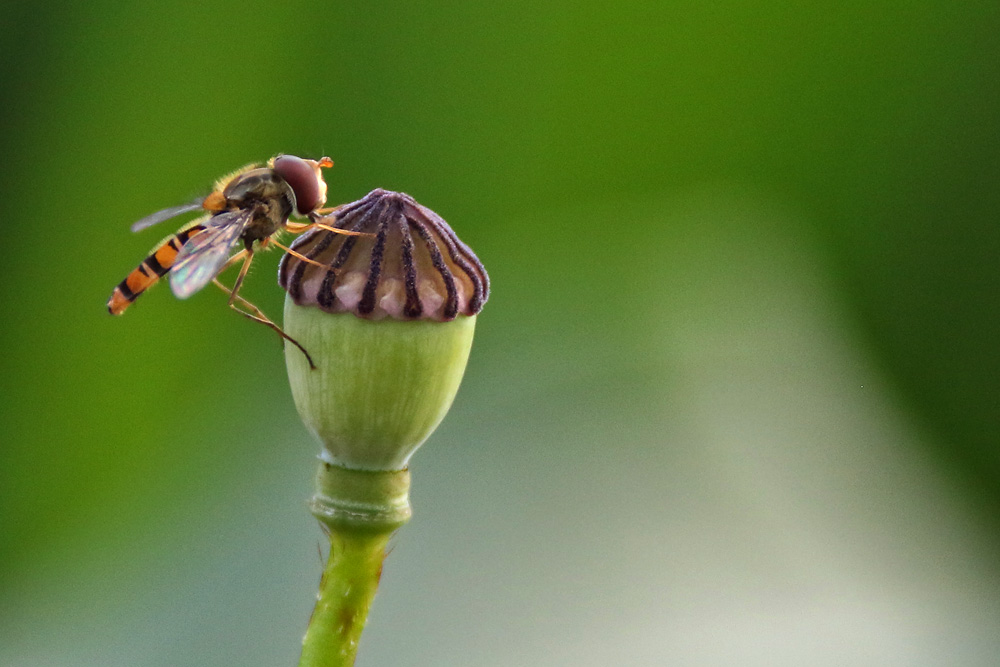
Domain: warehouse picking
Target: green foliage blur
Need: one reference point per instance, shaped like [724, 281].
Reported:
[735, 398]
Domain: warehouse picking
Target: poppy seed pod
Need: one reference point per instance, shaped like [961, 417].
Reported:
[388, 318]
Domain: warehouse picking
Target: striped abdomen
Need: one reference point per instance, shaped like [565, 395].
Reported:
[150, 270]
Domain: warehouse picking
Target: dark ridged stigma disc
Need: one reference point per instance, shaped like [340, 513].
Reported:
[413, 266]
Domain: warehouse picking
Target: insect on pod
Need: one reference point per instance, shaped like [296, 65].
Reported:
[249, 207]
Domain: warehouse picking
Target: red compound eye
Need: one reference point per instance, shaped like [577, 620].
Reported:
[301, 177]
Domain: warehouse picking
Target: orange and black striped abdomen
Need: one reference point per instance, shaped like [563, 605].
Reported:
[150, 270]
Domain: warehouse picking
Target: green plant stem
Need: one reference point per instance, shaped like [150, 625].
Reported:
[345, 594]
[360, 510]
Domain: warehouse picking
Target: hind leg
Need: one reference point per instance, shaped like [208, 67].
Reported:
[250, 311]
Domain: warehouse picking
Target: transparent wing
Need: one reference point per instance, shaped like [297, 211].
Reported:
[166, 214]
[204, 255]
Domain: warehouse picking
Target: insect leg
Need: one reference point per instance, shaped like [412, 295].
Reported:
[297, 228]
[251, 311]
[232, 260]
[300, 256]
[243, 274]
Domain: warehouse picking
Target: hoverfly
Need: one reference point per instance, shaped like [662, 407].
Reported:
[251, 205]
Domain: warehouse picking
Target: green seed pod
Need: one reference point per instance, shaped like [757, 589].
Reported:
[388, 319]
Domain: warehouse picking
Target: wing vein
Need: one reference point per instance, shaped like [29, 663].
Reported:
[204, 255]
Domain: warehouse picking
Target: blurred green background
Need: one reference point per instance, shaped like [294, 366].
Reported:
[734, 399]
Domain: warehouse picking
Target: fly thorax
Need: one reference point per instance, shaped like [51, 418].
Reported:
[259, 185]
[270, 216]
[268, 195]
